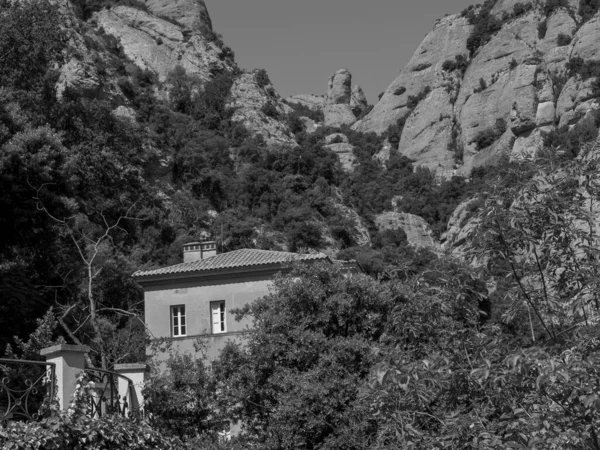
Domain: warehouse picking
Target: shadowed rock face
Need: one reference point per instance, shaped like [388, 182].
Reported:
[514, 88]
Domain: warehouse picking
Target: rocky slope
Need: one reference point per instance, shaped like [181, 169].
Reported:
[496, 100]
[157, 39]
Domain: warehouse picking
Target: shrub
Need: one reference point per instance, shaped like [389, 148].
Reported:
[552, 5]
[262, 78]
[459, 63]
[488, 137]
[485, 26]
[77, 428]
[563, 39]
[542, 29]
[269, 110]
[482, 86]
[520, 9]
[588, 9]
[305, 111]
[414, 100]
[399, 91]
[513, 64]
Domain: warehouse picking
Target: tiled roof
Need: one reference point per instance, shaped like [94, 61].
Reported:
[234, 259]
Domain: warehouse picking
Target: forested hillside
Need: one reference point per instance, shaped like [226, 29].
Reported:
[111, 158]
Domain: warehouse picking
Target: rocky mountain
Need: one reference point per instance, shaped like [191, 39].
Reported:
[488, 83]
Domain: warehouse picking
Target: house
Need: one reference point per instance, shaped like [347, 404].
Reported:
[194, 299]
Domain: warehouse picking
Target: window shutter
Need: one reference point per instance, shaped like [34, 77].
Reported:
[216, 317]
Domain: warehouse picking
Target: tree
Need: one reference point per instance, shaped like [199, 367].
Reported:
[31, 39]
[295, 382]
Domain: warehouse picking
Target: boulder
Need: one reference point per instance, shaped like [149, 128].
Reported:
[339, 88]
[418, 232]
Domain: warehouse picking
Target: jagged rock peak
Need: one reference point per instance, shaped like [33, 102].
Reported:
[339, 89]
[191, 13]
[358, 102]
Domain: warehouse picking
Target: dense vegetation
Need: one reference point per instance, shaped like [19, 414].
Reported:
[425, 353]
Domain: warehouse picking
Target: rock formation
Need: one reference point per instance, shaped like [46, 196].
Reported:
[338, 143]
[190, 13]
[418, 232]
[341, 104]
[462, 109]
[248, 99]
[159, 45]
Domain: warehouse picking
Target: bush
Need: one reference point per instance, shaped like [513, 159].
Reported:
[77, 428]
[262, 78]
[485, 26]
[552, 5]
[414, 100]
[563, 39]
[588, 9]
[520, 9]
[482, 86]
[459, 63]
[542, 29]
[270, 110]
[399, 91]
[488, 137]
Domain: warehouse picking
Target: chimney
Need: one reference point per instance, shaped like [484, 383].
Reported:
[197, 251]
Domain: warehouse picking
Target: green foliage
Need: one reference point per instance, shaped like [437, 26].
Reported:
[552, 5]
[305, 111]
[31, 41]
[482, 86]
[181, 397]
[520, 9]
[489, 136]
[568, 141]
[295, 382]
[585, 69]
[414, 100]
[262, 78]
[588, 9]
[76, 428]
[270, 110]
[563, 39]
[485, 25]
[86, 8]
[460, 63]
[542, 29]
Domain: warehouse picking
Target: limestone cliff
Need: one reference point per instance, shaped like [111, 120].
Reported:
[462, 106]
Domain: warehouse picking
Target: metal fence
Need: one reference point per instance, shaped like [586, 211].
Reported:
[113, 393]
[26, 389]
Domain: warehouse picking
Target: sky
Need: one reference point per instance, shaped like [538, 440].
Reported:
[301, 43]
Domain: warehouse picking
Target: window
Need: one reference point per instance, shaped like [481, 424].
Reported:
[178, 321]
[217, 311]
